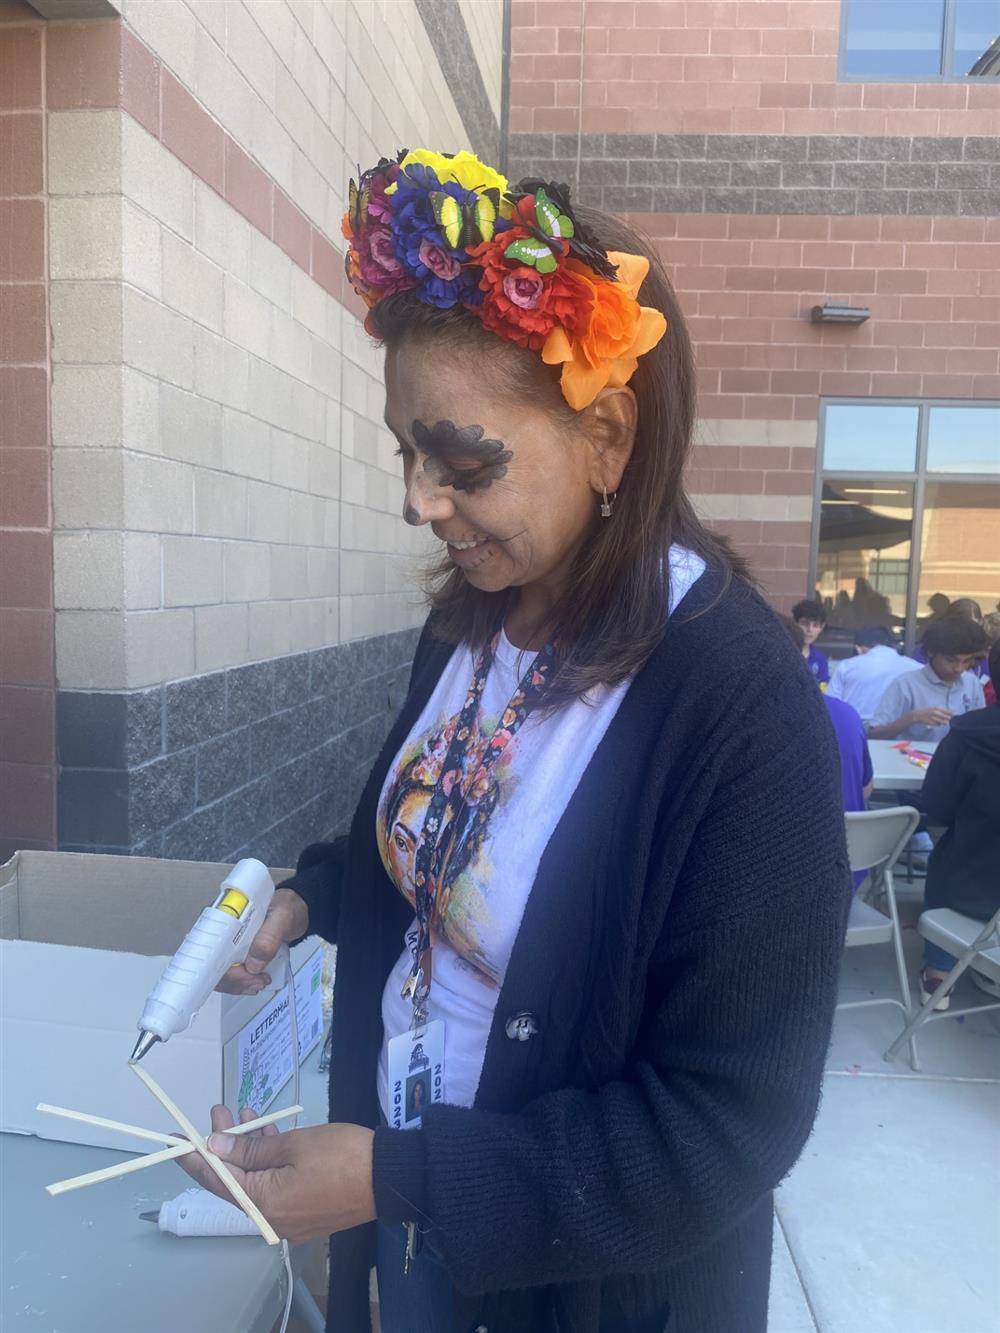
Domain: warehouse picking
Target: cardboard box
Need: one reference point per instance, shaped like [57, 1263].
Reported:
[83, 939]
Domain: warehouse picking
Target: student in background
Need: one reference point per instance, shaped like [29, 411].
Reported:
[810, 617]
[962, 791]
[961, 606]
[855, 761]
[862, 680]
[920, 705]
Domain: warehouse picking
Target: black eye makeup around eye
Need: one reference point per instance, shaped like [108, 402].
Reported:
[461, 456]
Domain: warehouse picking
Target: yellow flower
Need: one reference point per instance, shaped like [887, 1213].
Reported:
[463, 167]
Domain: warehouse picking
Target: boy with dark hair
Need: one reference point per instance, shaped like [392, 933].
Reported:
[962, 791]
[862, 680]
[920, 705]
[810, 616]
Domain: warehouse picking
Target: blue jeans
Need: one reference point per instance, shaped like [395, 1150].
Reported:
[419, 1302]
[937, 958]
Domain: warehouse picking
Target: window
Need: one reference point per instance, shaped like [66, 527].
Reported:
[908, 513]
[964, 439]
[959, 545]
[863, 562]
[920, 40]
[880, 437]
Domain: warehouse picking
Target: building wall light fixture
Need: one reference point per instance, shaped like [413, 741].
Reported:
[840, 314]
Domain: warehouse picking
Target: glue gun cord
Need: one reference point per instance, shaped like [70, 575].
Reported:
[293, 1033]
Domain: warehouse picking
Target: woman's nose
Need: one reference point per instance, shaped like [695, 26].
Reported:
[425, 501]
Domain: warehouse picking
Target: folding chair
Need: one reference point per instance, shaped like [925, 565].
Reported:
[875, 839]
[974, 944]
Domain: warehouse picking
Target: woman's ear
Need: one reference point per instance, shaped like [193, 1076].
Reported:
[613, 417]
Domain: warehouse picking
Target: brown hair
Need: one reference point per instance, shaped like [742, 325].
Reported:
[614, 611]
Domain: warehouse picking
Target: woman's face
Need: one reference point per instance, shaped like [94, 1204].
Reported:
[403, 838]
[504, 485]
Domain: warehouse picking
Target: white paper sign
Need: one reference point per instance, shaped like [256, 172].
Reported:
[264, 1045]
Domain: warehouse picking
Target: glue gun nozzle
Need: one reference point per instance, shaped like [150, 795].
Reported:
[146, 1040]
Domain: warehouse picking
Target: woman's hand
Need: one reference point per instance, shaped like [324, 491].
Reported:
[287, 918]
[306, 1182]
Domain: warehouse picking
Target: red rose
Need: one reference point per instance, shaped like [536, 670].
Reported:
[523, 305]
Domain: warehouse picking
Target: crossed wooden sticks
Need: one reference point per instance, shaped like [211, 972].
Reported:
[194, 1142]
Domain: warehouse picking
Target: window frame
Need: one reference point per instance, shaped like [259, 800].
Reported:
[919, 478]
[944, 63]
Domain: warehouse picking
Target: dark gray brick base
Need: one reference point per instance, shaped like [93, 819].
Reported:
[766, 173]
[253, 761]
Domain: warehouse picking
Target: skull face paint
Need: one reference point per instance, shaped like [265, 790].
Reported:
[448, 447]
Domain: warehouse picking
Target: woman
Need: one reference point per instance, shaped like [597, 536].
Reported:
[573, 893]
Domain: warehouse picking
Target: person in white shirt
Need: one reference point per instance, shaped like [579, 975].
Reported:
[862, 680]
[920, 705]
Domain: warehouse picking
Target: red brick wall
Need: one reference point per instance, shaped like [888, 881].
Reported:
[715, 67]
[768, 187]
[27, 685]
[748, 283]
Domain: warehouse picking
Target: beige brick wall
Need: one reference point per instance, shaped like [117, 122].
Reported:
[484, 21]
[224, 489]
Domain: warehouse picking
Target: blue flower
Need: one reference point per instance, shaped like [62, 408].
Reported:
[443, 274]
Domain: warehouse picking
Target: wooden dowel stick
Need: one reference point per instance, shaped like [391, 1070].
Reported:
[250, 1125]
[216, 1163]
[116, 1125]
[151, 1159]
[120, 1169]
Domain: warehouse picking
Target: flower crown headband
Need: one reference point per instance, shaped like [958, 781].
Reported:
[448, 228]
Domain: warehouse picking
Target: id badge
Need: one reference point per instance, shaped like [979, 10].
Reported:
[416, 1073]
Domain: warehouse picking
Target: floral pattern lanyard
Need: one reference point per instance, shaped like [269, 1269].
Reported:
[441, 826]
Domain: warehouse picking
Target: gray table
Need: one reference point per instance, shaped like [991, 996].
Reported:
[84, 1263]
[893, 770]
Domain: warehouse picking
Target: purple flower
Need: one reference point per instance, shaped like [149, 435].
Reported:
[524, 288]
[438, 260]
[382, 250]
[380, 270]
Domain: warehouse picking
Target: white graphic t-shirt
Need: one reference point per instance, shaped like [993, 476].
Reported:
[475, 926]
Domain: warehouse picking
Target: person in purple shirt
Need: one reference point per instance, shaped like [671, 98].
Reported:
[856, 773]
[810, 617]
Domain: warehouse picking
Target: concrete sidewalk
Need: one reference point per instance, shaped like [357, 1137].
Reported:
[890, 1221]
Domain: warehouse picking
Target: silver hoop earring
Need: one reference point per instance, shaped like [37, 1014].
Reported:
[606, 506]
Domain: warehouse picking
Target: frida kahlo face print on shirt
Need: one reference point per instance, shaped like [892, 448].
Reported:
[465, 902]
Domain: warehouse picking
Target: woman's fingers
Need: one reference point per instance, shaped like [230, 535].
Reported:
[246, 1115]
[238, 981]
[222, 1118]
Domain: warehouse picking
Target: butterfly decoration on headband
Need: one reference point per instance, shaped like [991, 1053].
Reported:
[468, 223]
[549, 230]
[582, 245]
[358, 199]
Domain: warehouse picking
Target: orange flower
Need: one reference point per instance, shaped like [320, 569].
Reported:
[619, 332]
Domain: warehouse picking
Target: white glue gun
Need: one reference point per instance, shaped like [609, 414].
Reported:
[219, 939]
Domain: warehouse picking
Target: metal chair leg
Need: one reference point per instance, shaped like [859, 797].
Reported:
[897, 947]
[944, 989]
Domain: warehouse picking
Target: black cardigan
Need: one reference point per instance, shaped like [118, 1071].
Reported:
[962, 791]
[679, 953]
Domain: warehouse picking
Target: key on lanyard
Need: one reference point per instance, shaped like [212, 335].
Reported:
[414, 1242]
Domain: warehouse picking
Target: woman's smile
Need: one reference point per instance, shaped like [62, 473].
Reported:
[470, 555]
